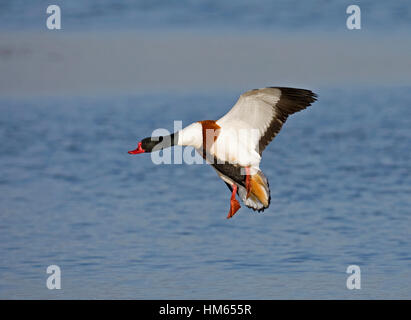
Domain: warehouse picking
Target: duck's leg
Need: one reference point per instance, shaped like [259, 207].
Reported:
[234, 204]
[247, 181]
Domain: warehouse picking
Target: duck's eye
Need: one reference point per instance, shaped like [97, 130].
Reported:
[160, 138]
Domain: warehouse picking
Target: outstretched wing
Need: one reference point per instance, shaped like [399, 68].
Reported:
[267, 110]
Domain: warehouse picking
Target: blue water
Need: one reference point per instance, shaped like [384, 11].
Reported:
[121, 227]
[284, 15]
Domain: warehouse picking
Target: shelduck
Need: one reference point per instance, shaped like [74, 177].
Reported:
[233, 145]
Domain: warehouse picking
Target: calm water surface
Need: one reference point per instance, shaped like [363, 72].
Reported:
[121, 227]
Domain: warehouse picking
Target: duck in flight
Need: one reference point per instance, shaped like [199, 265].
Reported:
[233, 145]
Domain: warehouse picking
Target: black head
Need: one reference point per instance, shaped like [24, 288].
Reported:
[148, 144]
[155, 143]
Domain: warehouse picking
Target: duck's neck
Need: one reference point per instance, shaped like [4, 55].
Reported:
[169, 141]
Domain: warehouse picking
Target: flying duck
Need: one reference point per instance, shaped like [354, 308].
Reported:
[233, 144]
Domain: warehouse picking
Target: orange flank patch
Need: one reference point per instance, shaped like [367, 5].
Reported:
[210, 129]
[257, 189]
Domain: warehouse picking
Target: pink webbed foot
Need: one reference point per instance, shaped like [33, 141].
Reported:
[234, 204]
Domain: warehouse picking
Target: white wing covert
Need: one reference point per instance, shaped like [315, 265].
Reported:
[266, 110]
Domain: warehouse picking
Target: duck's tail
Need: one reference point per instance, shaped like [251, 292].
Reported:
[259, 196]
